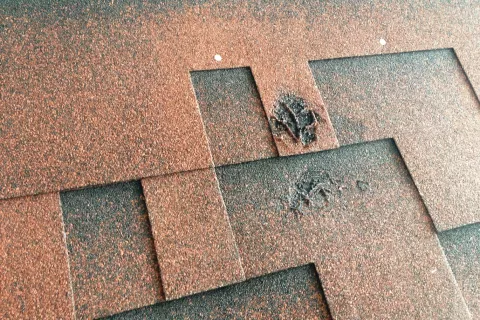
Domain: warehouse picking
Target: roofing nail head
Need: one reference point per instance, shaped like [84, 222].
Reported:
[218, 58]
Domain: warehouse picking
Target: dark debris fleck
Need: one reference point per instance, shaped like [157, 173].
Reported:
[363, 185]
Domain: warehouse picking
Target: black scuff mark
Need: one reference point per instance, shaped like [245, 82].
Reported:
[292, 114]
[317, 192]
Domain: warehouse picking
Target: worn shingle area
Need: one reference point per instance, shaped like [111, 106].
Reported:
[361, 221]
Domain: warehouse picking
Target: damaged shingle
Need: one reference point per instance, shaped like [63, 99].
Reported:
[315, 190]
[312, 189]
[292, 114]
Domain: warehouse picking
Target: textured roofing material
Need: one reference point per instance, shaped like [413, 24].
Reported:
[284, 75]
[146, 102]
[232, 112]
[356, 213]
[194, 241]
[289, 294]
[34, 271]
[112, 256]
[121, 77]
[425, 102]
[462, 248]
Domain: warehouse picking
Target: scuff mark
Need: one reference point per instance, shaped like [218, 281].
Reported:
[316, 191]
[313, 189]
[291, 114]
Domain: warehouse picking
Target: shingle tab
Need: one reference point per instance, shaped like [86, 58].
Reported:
[284, 77]
[193, 238]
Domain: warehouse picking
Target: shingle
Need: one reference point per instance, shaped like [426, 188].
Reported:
[193, 238]
[98, 106]
[424, 101]
[233, 115]
[95, 92]
[356, 213]
[111, 250]
[289, 294]
[34, 271]
[101, 85]
[286, 77]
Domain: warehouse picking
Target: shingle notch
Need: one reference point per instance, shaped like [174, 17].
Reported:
[112, 256]
[289, 294]
[234, 118]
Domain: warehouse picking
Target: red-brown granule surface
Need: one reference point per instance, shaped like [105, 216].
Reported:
[194, 241]
[112, 256]
[360, 219]
[105, 93]
[34, 271]
[99, 92]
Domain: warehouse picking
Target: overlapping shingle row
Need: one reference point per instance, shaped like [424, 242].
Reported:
[133, 94]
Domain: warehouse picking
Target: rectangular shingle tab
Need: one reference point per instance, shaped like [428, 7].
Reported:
[278, 82]
[193, 238]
